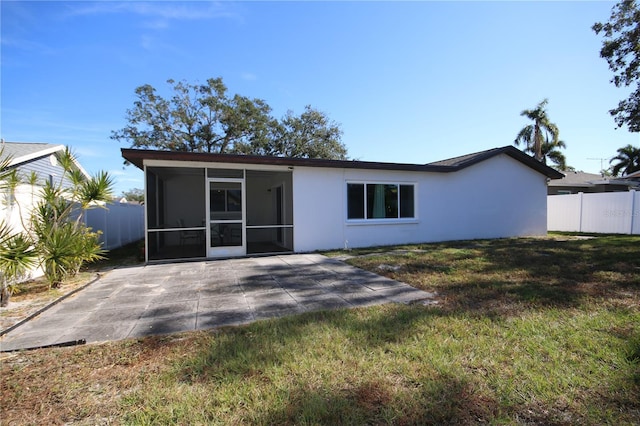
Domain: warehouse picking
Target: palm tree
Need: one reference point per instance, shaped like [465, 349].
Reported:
[63, 241]
[534, 135]
[628, 160]
[551, 151]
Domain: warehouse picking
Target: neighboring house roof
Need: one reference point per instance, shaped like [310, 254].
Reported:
[23, 152]
[137, 156]
[632, 176]
[20, 152]
[587, 180]
[580, 179]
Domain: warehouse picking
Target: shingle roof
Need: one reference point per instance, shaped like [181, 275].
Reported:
[21, 152]
[457, 161]
[137, 157]
[476, 157]
[579, 179]
[634, 175]
[589, 180]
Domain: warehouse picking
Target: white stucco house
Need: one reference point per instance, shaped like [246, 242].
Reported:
[201, 205]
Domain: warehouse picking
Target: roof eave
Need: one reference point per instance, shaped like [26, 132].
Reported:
[37, 154]
[137, 157]
[516, 154]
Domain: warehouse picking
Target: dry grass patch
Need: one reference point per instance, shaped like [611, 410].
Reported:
[80, 384]
[527, 332]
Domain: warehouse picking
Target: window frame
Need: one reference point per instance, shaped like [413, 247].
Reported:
[382, 220]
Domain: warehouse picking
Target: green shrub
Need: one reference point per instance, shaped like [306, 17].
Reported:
[56, 232]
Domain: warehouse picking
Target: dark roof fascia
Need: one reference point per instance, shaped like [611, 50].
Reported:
[137, 157]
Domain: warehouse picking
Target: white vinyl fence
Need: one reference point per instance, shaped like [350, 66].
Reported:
[119, 223]
[606, 213]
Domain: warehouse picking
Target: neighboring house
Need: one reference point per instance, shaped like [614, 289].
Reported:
[201, 205]
[575, 182]
[41, 158]
[29, 158]
[118, 224]
[633, 177]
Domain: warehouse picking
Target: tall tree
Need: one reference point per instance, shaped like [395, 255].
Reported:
[627, 160]
[551, 152]
[203, 118]
[541, 131]
[310, 135]
[621, 49]
[197, 118]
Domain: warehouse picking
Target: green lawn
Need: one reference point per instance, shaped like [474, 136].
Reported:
[526, 331]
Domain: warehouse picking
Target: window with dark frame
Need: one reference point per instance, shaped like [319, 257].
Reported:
[380, 201]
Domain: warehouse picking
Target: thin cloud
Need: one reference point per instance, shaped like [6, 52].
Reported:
[27, 45]
[249, 76]
[158, 13]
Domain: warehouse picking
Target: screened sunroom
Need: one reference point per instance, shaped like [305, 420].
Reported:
[206, 212]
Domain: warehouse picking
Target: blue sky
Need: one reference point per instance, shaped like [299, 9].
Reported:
[410, 82]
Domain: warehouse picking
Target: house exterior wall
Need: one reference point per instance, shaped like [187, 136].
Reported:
[499, 197]
[15, 210]
[44, 168]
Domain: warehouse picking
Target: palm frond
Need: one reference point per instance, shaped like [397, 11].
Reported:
[97, 189]
[17, 257]
[524, 136]
[628, 160]
[67, 160]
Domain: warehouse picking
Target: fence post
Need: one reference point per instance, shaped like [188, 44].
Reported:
[580, 211]
[631, 210]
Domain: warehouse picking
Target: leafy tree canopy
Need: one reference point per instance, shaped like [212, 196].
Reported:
[204, 118]
[134, 194]
[621, 49]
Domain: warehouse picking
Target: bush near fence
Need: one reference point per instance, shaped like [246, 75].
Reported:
[119, 223]
[606, 213]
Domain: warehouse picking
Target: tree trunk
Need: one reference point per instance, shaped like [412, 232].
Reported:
[537, 142]
[5, 295]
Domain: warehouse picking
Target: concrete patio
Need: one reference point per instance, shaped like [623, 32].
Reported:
[167, 298]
